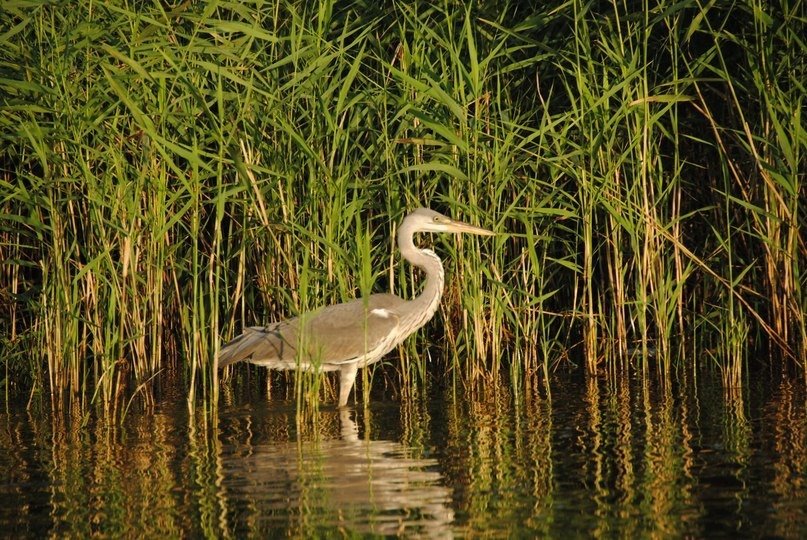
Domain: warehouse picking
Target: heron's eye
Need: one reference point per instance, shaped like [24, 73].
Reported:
[437, 219]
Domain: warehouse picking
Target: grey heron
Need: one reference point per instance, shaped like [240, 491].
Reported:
[348, 336]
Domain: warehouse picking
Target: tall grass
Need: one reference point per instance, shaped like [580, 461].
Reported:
[173, 174]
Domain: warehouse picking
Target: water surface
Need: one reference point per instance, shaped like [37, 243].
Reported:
[592, 457]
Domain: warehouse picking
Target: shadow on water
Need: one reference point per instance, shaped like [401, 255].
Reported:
[603, 457]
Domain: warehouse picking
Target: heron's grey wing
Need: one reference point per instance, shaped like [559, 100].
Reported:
[265, 345]
[341, 333]
[333, 335]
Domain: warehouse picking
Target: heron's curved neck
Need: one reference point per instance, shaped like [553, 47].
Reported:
[429, 299]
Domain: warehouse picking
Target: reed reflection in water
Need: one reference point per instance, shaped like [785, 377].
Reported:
[604, 456]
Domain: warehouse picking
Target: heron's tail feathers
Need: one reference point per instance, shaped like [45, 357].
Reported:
[240, 348]
[261, 345]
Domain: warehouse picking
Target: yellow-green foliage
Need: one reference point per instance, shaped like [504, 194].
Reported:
[169, 175]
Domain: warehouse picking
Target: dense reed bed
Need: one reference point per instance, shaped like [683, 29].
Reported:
[171, 174]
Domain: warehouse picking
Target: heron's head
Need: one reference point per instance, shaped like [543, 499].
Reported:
[425, 220]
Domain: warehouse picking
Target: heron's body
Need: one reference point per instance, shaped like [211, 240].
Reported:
[346, 337]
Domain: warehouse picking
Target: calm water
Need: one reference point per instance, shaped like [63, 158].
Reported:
[597, 458]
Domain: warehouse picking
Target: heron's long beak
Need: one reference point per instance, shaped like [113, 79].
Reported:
[460, 227]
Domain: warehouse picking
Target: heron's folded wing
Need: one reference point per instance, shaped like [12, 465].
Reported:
[344, 332]
[332, 335]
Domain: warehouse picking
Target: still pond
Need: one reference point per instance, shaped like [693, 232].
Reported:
[594, 457]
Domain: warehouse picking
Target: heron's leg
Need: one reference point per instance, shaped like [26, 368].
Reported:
[347, 376]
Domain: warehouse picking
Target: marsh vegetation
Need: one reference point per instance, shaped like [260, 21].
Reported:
[173, 172]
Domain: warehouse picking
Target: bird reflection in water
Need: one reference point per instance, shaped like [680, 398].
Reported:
[346, 483]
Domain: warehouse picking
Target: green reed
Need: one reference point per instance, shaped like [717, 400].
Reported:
[171, 176]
